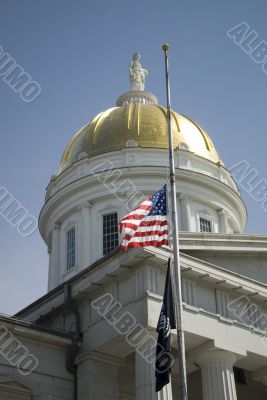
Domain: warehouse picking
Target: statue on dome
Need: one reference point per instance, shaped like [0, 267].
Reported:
[137, 73]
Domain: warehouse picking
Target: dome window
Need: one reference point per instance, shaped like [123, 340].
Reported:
[82, 155]
[110, 232]
[131, 143]
[205, 225]
[71, 248]
[183, 146]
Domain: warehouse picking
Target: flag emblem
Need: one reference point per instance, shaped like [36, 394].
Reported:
[147, 224]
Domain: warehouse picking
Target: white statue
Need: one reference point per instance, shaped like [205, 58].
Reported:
[137, 73]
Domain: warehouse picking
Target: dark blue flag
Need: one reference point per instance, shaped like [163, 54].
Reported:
[164, 359]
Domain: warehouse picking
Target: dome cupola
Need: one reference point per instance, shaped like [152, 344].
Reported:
[137, 120]
[139, 125]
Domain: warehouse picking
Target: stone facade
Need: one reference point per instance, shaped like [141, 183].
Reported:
[111, 365]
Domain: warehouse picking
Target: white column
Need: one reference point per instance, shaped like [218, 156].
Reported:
[54, 266]
[217, 375]
[145, 381]
[223, 221]
[84, 236]
[49, 251]
[185, 213]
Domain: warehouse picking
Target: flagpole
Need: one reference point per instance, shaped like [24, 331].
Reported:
[177, 269]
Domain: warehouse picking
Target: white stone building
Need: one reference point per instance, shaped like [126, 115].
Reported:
[61, 348]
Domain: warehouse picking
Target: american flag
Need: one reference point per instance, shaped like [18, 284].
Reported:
[147, 224]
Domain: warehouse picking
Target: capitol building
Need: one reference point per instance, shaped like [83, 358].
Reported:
[62, 346]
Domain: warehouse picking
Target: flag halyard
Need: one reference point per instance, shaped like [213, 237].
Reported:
[147, 224]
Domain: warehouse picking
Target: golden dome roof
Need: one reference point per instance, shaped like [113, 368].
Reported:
[142, 125]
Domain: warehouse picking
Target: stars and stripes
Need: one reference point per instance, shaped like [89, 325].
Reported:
[147, 224]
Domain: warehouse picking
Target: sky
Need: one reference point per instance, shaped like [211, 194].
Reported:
[77, 53]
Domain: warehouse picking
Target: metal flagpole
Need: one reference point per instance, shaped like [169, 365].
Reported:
[177, 269]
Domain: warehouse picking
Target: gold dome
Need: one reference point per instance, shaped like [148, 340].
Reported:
[145, 125]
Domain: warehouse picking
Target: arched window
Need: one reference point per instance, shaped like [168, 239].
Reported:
[82, 155]
[183, 146]
[131, 143]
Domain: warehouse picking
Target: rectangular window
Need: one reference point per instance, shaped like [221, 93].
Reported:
[110, 232]
[205, 225]
[71, 256]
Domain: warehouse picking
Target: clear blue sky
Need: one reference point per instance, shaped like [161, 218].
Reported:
[79, 51]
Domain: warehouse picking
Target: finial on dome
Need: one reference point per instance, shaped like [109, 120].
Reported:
[137, 73]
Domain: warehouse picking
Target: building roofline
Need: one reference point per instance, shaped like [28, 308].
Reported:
[32, 326]
[60, 287]
[185, 237]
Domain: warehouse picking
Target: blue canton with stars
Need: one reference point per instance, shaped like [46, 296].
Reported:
[159, 202]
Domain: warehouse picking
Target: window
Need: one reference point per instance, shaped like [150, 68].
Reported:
[183, 146]
[110, 232]
[131, 143]
[71, 256]
[205, 225]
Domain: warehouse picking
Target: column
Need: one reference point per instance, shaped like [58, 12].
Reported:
[54, 266]
[98, 379]
[84, 237]
[217, 375]
[145, 381]
[185, 213]
[49, 286]
[223, 221]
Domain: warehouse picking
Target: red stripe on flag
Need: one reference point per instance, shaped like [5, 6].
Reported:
[135, 216]
[154, 243]
[159, 222]
[142, 234]
[143, 224]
